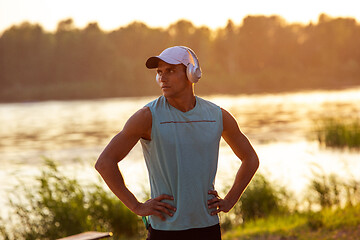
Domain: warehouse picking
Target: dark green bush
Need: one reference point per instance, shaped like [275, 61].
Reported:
[57, 206]
[314, 220]
[261, 199]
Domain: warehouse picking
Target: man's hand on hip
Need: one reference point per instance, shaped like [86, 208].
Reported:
[156, 207]
[221, 205]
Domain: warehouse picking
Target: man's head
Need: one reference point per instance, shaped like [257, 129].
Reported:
[178, 55]
[172, 80]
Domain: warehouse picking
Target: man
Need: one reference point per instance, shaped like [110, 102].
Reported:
[180, 135]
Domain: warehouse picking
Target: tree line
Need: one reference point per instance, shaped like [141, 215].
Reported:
[261, 54]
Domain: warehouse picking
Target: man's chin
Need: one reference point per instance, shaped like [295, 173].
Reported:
[166, 93]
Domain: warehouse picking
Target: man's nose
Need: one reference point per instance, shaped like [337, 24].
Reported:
[163, 78]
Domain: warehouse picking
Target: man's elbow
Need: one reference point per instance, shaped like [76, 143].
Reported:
[255, 162]
[98, 165]
[101, 164]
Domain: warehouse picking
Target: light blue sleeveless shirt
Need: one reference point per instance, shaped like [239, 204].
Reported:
[182, 158]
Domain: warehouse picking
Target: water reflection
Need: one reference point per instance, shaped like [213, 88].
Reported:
[264, 118]
[61, 125]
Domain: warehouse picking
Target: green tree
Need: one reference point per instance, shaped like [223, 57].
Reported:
[25, 50]
[66, 55]
[263, 53]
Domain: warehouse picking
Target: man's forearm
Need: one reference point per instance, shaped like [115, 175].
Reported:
[242, 179]
[115, 181]
[112, 176]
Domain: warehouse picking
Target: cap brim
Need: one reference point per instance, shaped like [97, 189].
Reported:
[153, 62]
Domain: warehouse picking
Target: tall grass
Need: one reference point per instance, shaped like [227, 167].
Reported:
[329, 191]
[57, 206]
[338, 132]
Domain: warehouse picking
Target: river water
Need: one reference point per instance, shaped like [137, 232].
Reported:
[73, 133]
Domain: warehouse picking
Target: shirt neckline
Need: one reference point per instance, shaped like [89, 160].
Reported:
[187, 112]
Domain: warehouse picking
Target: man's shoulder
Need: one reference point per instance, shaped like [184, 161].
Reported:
[142, 116]
[155, 101]
[144, 111]
[139, 123]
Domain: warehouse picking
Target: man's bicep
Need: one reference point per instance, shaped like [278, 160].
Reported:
[230, 127]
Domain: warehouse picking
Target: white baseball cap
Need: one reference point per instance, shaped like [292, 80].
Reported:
[172, 55]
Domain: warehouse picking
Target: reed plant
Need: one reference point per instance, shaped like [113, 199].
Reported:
[338, 132]
[57, 206]
[332, 191]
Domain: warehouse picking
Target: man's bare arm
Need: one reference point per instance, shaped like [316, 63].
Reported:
[138, 126]
[250, 163]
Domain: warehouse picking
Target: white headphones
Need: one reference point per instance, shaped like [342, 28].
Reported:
[193, 71]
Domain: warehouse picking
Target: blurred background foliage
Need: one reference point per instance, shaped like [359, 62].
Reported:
[262, 54]
[57, 206]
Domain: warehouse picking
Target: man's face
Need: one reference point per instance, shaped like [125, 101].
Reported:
[172, 79]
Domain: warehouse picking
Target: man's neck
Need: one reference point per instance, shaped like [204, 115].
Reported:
[184, 103]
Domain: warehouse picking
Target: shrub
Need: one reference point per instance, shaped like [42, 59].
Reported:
[261, 199]
[58, 206]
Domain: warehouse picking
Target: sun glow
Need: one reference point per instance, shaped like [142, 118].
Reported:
[111, 14]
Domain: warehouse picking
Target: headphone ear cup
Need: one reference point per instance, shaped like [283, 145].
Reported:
[189, 70]
[158, 78]
[193, 73]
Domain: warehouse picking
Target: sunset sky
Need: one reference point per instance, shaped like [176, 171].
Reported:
[111, 14]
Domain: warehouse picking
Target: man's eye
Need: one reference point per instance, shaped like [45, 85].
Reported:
[172, 70]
